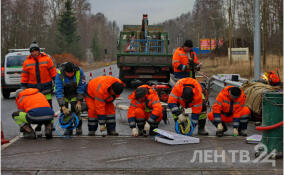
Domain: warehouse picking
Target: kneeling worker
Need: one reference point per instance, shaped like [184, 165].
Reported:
[33, 109]
[187, 93]
[145, 111]
[229, 107]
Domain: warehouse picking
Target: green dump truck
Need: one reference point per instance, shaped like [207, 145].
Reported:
[143, 53]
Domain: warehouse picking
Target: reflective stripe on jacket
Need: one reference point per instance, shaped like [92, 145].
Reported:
[69, 87]
[31, 99]
[97, 89]
[152, 102]
[38, 72]
[181, 59]
[175, 97]
[224, 105]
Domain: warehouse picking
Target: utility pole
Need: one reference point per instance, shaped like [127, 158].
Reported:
[257, 41]
[264, 32]
[230, 32]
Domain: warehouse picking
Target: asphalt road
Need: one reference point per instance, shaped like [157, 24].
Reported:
[124, 154]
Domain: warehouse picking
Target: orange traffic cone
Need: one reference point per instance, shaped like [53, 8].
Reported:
[110, 72]
[104, 72]
[3, 140]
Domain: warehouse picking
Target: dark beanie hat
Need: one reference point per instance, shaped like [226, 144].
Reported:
[235, 92]
[187, 93]
[188, 43]
[140, 92]
[69, 67]
[117, 88]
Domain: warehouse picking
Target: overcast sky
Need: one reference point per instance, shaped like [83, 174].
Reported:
[131, 11]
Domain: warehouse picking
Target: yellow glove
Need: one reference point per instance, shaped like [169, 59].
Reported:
[236, 133]
[220, 127]
[78, 106]
[134, 132]
[182, 118]
[103, 128]
[65, 110]
[146, 126]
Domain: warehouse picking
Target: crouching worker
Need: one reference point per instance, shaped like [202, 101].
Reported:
[69, 89]
[187, 93]
[229, 108]
[145, 111]
[101, 92]
[33, 109]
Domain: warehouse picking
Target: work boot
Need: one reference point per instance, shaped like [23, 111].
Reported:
[68, 132]
[151, 132]
[79, 129]
[142, 132]
[201, 127]
[221, 133]
[38, 130]
[92, 133]
[112, 133]
[48, 131]
[28, 132]
[243, 133]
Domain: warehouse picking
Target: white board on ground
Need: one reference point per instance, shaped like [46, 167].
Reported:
[172, 138]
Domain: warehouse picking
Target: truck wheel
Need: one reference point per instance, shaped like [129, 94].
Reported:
[6, 93]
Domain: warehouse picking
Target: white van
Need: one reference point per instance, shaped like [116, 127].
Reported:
[11, 70]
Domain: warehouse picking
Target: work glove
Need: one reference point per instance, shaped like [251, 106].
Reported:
[220, 127]
[147, 126]
[182, 118]
[78, 106]
[235, 133]
[103, 128]
[65, 110]
[134, 132]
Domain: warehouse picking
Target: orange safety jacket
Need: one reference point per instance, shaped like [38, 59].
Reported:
[30, 99]
[152, 105]
[227, 107]
[273, 78]
[181, 59]
[97, 89]
[175, 98]
[38, 72]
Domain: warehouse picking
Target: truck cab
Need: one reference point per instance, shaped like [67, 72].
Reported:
[143, 53]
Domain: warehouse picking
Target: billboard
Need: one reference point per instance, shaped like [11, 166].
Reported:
[205, 43]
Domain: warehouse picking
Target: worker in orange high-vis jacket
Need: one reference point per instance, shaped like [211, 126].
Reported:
[38, 72]
[185, 61]
[187, 93]
[145, 111]
[273, 79]
[100, 94]
[33, 109]
[230, 108]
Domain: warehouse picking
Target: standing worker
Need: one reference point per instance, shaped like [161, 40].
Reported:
[69, 89]
[38, 72]
[187, 93]
[145, 110]
[229, 108]
[101, 92]
[185, 61]
[33, 109]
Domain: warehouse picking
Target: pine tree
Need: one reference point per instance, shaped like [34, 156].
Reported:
[67, 37]
[96, 48]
